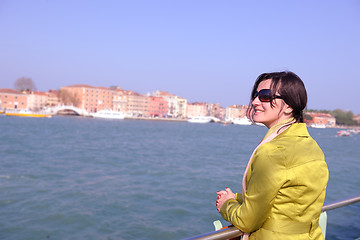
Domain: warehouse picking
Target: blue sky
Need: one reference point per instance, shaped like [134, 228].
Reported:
[202, 50]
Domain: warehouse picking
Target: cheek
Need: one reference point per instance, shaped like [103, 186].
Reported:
[271, 111]
[267, 107]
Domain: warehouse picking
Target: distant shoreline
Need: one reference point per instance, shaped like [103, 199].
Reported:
[157, 119]
[186, 120]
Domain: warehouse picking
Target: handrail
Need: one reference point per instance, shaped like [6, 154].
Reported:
[342, 203]
[232, 232]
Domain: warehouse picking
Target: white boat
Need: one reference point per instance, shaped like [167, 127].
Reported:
[318, 125]
[355, 131]
[108, 113]
[343, 133]
[200, 119]
[242, 121]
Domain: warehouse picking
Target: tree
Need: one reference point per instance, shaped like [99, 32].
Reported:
[69, 98]
[344, 118]
[308, 117]
[24, 84]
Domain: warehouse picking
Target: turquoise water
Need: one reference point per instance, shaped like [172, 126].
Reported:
[82, 178]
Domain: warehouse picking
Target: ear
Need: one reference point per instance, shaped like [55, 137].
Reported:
[288, 110]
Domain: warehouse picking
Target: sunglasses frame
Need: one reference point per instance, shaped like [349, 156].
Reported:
[265, 96]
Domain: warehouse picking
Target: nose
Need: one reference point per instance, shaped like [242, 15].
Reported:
[256, 101]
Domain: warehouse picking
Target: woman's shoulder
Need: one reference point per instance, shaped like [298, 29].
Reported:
[288, 148]
[270, 153]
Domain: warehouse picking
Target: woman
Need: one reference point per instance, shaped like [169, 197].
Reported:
[284, 183]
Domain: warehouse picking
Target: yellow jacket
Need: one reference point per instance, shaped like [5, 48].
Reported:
[286, 185]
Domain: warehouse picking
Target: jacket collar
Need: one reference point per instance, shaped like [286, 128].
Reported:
[297, 129]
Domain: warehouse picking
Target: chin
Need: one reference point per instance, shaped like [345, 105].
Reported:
[257, 119]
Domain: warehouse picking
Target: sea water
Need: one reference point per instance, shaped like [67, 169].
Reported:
[84, 178]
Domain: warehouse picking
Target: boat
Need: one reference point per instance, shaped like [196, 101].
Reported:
[27, 113]
[242, 121]
[200, 119]
[318, 125]
[343, 133]
[354, 131]
[109, 114]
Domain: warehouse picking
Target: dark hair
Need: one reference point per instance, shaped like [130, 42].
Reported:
[291, 89]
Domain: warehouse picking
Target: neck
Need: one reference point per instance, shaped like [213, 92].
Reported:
[278, 126]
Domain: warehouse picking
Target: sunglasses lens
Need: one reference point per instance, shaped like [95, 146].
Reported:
[264, 95]
[264, 98]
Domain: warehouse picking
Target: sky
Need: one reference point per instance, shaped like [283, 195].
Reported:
[202, 50]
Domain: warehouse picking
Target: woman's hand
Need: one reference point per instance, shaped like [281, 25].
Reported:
[223, 196]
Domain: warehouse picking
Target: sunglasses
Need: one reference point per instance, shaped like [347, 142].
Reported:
[265, 95]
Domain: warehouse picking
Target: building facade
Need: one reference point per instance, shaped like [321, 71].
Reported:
[136, 104]
[53, 98]
[13, 99]
[181, 107]
[91, 99]
[216, 110]
[157, 107]
[322, 119]
[197, 110]
[120, 101]
[176, 105]
[235, 111]
[37, 100]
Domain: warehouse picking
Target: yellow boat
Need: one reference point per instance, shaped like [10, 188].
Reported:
[27, 113]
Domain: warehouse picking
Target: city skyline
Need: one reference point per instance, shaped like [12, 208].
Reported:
[162, 90]
[204, 51]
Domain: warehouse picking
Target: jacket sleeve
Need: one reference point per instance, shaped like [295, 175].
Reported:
[267, 175]
[238, 197]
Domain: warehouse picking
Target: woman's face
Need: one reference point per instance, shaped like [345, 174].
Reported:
[266, 114]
